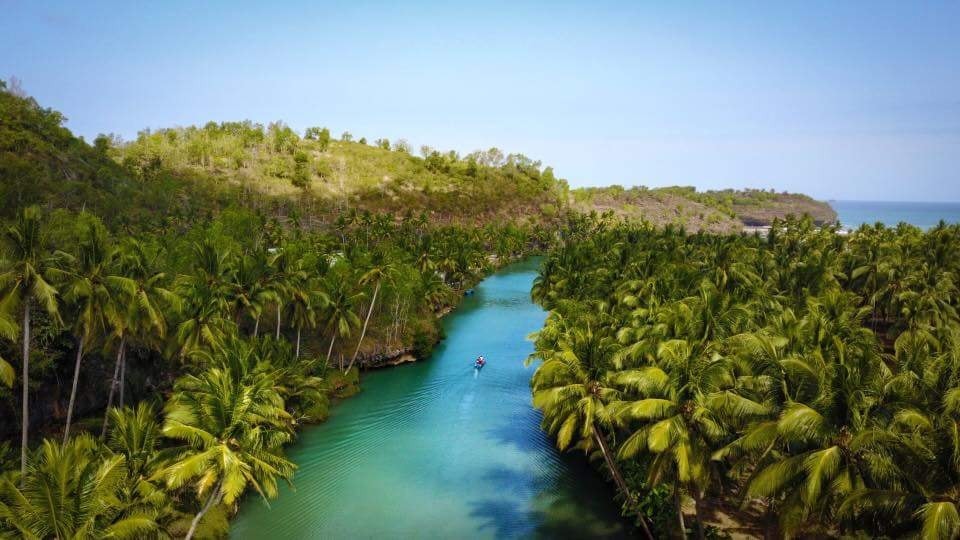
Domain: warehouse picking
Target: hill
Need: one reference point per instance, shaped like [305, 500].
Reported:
[723, 211]
[177, 175]
[325, 173]
[42, 162]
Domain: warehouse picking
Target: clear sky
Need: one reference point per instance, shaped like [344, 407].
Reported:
[845, 100]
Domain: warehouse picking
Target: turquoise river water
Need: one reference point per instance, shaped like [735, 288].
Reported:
[436, 449]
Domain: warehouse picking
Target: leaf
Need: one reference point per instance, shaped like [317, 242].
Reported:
[940, 521]
[7, 373]
[644, 409]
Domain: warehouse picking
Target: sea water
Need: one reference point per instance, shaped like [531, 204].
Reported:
[922, 214]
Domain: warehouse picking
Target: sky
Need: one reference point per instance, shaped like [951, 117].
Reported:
[839, 100]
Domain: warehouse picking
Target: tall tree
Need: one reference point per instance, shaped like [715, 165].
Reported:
[95, 291]
[232, 429]
[375, 275]
[26, 282]
[571, 389]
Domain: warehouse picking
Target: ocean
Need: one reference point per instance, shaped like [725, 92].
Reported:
[922, 214]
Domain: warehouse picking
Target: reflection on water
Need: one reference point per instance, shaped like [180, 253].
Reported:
[437, 449]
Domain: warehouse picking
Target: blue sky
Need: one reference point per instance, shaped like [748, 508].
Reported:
[845, 100]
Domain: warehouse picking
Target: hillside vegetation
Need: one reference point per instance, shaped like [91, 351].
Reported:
[726, 211]
[276, 161]
[171, 177]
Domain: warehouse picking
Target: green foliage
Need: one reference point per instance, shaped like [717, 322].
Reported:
[245, 317]
[726, 211]
[812, 371]
[74, 490]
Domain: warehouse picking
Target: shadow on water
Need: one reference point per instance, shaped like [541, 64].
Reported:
[521, 433]
[566, 497]
[437, 449]
[553, 511]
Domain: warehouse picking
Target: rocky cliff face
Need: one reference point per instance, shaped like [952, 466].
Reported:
[784, 205]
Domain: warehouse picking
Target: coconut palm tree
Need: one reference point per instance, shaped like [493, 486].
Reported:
[340, 313]
[26, 282]
[674, 409]
[570, 387]
[205, 293]
[250, 292]
[283, 274]
[70, 491]
[232, 433]
[306, 299]
[96, 291]
[375, 275]
[142, 313]
[135, 435]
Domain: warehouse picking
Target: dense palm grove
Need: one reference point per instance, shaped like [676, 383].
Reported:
[809, 379]
[161, 374]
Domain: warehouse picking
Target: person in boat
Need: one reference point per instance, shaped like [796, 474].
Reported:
[480, 361]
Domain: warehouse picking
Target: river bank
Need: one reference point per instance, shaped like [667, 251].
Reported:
[434, 449]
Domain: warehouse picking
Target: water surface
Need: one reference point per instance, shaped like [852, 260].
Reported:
[922, 214]
[436, 449]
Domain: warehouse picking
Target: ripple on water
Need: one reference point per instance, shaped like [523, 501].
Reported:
[437, 449]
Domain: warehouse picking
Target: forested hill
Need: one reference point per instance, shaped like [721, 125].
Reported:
[378, 176]
[723, 211]
[182, 174]
[178, 175]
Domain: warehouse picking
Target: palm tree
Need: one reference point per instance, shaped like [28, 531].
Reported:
[96, 292]
[71, 492]
[232, 431]
[205, 296]
[136, 436]
[911, 469]
[676, 416]
[571, 389]
[283, 274]
[376, 275]
[816, 452]
[340, 314]
[24, 283]
[249, 292]
[142, 316]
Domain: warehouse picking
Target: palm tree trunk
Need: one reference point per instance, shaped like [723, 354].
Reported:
[73, 389]
[366, 321]
[696, 508]
[278, 320]
[123, 376]
[25, 429]
[618, 477]
[113, 387]
[256, 326]
[297, 355]
[214, 497]
[679, 504]
[330, 349]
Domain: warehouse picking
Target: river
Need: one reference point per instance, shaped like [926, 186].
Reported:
[435, 449]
